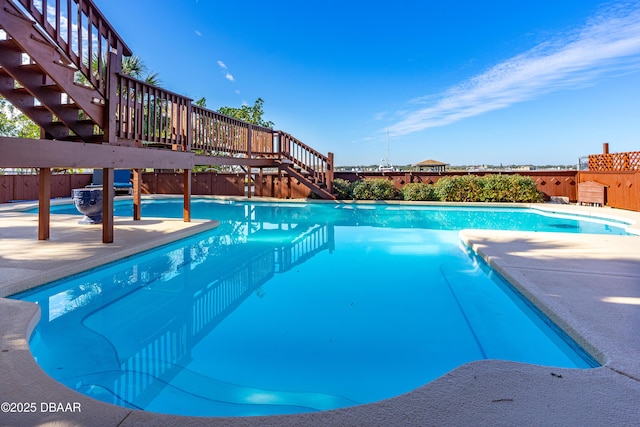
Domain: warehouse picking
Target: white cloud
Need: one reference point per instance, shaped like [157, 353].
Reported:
[225, 70]
[609, 43]
[198, 33]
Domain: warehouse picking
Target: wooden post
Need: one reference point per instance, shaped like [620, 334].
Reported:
[137, 194]
[330, 173]
[44, 203]
[249, 182]
[107, 205]
[114, 66]
[186, 211]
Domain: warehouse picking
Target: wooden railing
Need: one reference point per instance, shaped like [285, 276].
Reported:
[126, 111]
[217, 134]
[628, 161]
[317, 165]
[82, 33]
[151, 115]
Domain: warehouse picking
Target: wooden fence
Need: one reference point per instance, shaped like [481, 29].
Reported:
[206, 183]
[25, 187]
[606, 162]
[623, 187]
[552, 183]
[281, 187]
[620, 173]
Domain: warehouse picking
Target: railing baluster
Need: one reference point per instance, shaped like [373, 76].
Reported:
[79, 35]
[57, 17]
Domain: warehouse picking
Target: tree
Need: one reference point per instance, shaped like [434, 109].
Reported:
[134, 67]
[248, 114]
[15, 124]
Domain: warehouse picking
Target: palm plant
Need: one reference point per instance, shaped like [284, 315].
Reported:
[133, 66]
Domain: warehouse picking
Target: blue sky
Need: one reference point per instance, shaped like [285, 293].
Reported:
[463, 82]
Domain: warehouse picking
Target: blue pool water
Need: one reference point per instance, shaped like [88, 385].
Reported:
[288, 308]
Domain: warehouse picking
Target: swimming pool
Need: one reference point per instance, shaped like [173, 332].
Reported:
[294, 307]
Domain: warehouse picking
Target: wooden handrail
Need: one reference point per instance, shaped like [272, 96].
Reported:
[217, 134]
[316, 164]
[152, 115]
[121, 110]
[82, 33]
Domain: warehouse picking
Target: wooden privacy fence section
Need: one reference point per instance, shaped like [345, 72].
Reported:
[551, 183]
[25, 187]
[623, 187]
[620, 173]
[207, 183]
[282, 186]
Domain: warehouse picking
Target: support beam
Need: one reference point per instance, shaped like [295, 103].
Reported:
[43, 153]
[107, 205]
[186, 212]
[137, 194]
[44, 203]
[330, 173]
[249, 182]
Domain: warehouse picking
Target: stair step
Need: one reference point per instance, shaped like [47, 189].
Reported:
[10, 44]
[56, 130]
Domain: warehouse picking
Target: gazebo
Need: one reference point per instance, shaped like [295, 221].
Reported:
[431, 166]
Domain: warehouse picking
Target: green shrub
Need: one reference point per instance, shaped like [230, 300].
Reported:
[343, 189]
[488, 188]
[524, 189]
[419, 191]
[458, 189]
[375, 189]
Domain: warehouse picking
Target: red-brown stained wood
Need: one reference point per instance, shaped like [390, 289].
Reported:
[591, 192]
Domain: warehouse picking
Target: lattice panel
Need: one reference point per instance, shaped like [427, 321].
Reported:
[629, 161]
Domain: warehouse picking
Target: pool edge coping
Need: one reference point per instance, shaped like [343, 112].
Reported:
[25, 326]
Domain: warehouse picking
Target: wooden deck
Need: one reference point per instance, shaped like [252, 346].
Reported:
[91, 115]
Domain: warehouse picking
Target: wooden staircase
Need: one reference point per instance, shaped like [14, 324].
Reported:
[60, 64]
[308, 166]
[53, 80]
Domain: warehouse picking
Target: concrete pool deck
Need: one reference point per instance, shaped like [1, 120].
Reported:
[589, 285]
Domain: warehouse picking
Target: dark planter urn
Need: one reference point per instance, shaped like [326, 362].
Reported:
[89, 202]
